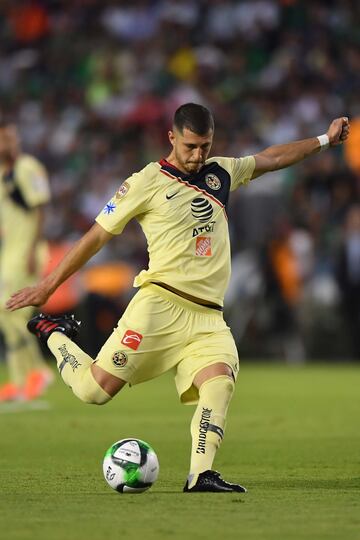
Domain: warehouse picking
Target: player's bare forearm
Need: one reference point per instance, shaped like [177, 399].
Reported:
[79, 254]
[77, 257]
[284, 155]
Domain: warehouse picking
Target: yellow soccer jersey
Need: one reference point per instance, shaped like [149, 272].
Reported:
[21, 190]
[184, 220]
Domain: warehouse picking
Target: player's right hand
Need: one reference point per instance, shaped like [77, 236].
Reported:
[339, 130]
[30, 296]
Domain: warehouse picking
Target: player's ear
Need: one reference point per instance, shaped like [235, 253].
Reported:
[171, 136]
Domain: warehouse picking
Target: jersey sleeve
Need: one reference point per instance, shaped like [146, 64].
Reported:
[239, 169]
[130, 200]
[242, 171]
[32, 180]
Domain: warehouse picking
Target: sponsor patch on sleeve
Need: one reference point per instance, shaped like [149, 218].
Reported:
[122, 191]
[132, 339]
[203, 246]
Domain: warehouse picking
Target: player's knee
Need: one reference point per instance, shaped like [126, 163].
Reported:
[89, 391]
[211, 372]
[108, 382]
[219, 386]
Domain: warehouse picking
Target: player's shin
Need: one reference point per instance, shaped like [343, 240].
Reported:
[75, 369]
[208, 424]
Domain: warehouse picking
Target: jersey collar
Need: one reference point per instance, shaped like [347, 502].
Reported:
[175, 171]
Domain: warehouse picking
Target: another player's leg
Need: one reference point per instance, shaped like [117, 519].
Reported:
[37, 376]
[88, 382]
[12, 389]
[215, 384]
[23, 359]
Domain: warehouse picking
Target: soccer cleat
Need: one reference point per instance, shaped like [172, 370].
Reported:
[212, 481]
[44, 325]
[37, 382]
[10, 392]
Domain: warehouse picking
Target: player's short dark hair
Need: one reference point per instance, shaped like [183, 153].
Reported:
[194, 117]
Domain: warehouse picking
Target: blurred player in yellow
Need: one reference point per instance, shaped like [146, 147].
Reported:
[24, 189]
[175, 320]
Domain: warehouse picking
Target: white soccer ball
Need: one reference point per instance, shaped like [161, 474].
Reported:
[130, 466]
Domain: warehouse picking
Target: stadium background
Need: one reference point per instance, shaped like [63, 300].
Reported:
[93, 85]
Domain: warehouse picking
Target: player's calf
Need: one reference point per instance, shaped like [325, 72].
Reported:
[208, 426]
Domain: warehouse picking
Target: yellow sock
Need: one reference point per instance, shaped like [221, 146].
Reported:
[208, 424]
[74, 367]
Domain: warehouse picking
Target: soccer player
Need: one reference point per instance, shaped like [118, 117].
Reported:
[175, 320]
[24, 189]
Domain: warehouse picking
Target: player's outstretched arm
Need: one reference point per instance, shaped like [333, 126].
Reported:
[78, 255]
[283, 155]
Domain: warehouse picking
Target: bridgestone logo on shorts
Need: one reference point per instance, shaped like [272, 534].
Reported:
[203, 246]
[132, 339]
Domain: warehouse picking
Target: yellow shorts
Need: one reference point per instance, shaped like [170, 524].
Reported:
[160, 331]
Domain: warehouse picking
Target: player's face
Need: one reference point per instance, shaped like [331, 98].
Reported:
[189, 149]
[9, 142]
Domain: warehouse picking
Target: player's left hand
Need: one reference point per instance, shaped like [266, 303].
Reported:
[338, 130]
[30, 296]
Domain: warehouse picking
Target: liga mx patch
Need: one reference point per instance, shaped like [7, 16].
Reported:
[132, 339]
[203, 246]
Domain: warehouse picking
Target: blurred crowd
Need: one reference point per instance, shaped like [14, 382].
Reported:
[93, 86]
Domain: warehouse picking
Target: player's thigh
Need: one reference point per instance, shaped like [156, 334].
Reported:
[213, 355]
[147, 340]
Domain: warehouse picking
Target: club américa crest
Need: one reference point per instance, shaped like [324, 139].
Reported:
[212, 181]
[119, 358]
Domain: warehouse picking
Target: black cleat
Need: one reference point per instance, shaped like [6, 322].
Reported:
[212, 481]
[44, 325]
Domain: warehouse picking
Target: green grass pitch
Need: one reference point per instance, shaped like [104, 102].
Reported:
[292, 439]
